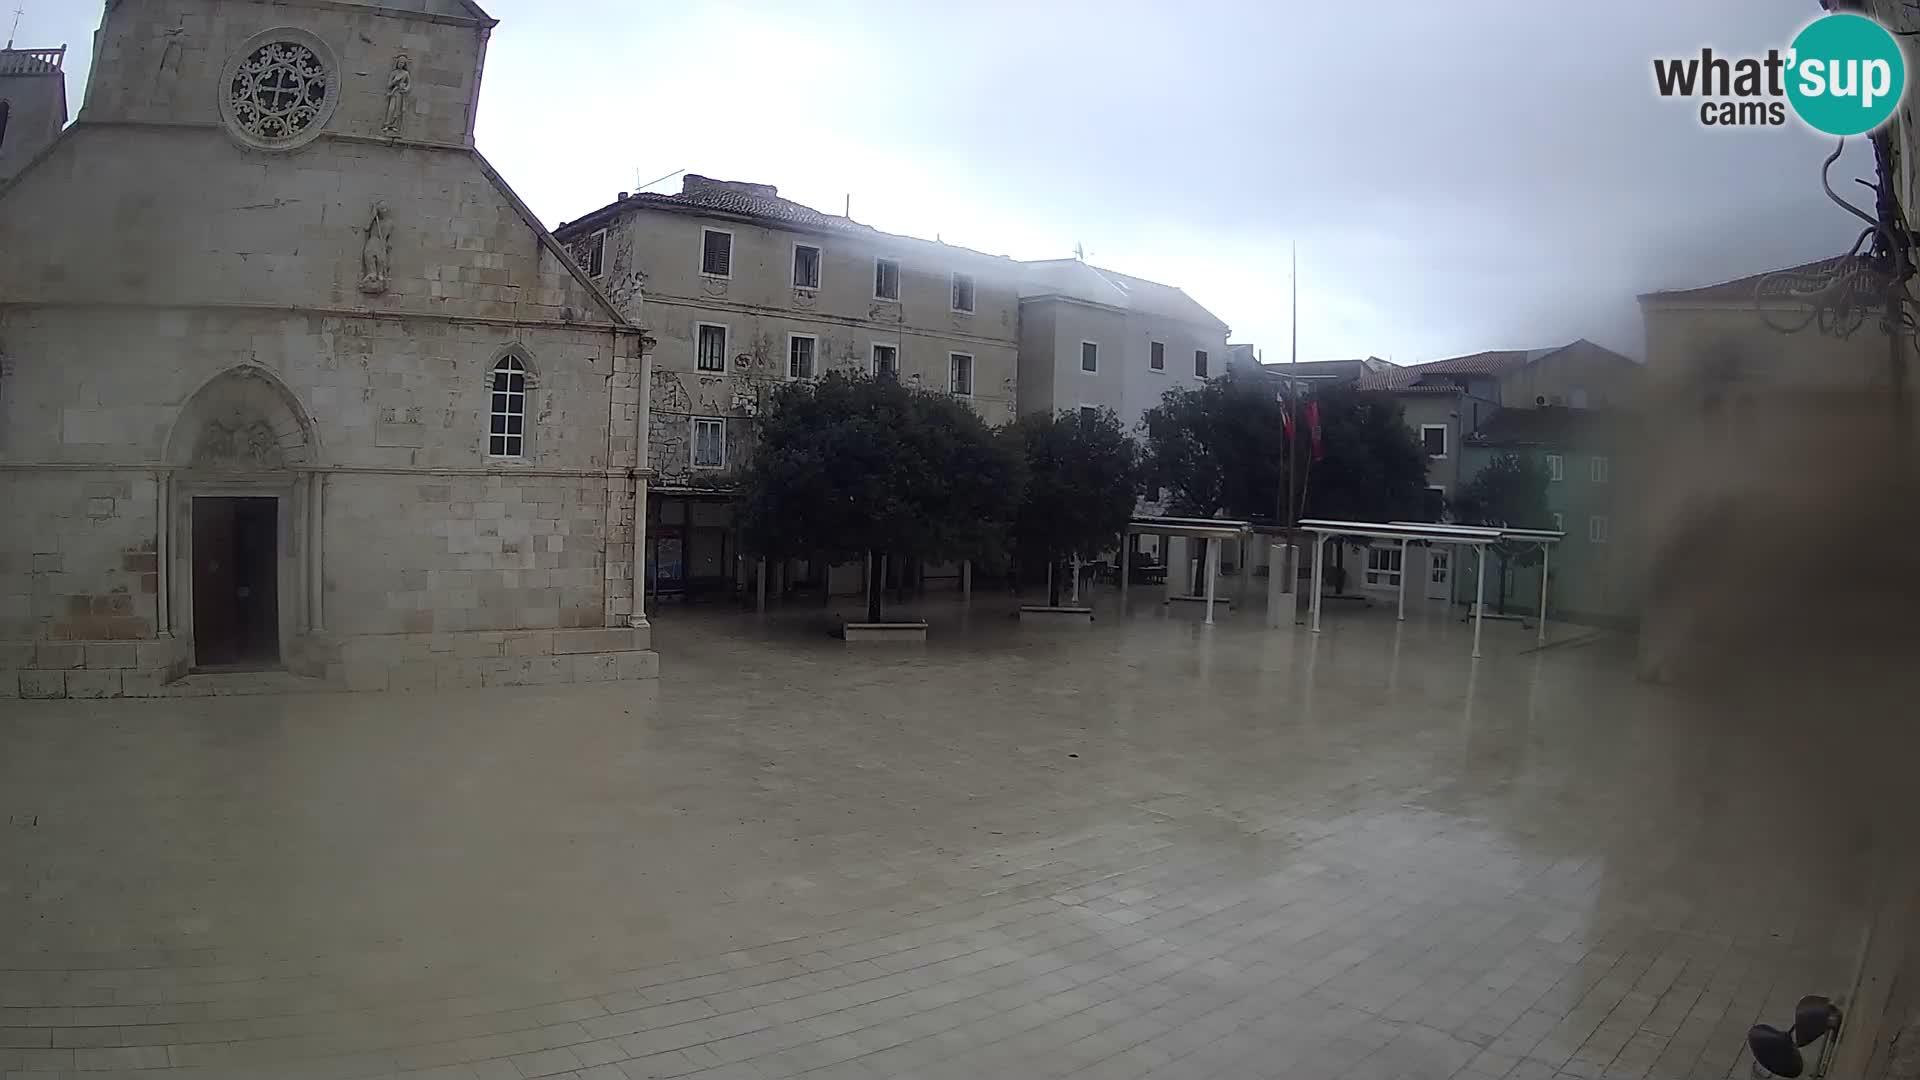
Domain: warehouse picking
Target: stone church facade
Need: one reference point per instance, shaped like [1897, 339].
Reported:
[289, 377]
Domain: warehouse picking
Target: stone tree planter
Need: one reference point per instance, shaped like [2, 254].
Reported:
[884, 632]
[1043, 615]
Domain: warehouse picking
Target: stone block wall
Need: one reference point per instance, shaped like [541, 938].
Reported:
[78, 560]
[409, 554]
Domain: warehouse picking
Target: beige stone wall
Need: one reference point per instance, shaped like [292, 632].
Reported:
[1072, 387]
[760, 309]
[1580, 376]
[1779, 463]
[36, 110]
[1443, 409]
[136, 76]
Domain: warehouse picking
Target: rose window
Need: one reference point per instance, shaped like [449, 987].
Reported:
[278, 92]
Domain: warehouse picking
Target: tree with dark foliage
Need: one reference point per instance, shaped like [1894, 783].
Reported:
[1082, 477]
[1510, 492]
[850, 466]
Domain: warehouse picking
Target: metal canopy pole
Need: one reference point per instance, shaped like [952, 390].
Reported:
[1319, 565]
[1546, 558]
[1479, 599]
[1213, 571]
[1403, 581]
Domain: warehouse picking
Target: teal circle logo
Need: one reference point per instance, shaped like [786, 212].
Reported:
[1847, 76]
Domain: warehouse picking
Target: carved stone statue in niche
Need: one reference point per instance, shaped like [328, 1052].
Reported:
[238, 444]
[399, 86]
[173, 39]
[376, 254]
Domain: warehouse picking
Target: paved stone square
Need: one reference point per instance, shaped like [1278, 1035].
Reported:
[1148, 849]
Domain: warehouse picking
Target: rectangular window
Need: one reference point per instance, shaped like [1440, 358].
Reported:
[1602, 470]
[590, 252]
[709, 443]
[1157, 355]
[1559, 523]
[1433, 439]
[800, 356]
[963, 293]
[886, 279]
[960, 374]
[806, 266]
[1598, 528]
[1089, 356]
[716, 253]
[1435, 504]
[1089, 412]
[1200, 362]
[1383, 566]
[886, 361]
[1556, 467]
[710, 352]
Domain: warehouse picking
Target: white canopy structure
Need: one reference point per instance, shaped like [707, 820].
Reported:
[1190, 528]
[1406, 533]
[1546, 538]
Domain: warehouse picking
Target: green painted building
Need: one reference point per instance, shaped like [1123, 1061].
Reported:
[1593, 492]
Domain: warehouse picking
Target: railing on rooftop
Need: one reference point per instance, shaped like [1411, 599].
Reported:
[32, 61]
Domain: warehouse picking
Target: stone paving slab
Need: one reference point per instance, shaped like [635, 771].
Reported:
[1153, 849]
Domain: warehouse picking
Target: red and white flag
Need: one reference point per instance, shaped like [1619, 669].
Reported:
[1313, 430]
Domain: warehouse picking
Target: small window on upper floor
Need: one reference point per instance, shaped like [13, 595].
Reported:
[710, 353]
[1556, 467]
[800, 355]
[716, 253]
[590, 252]
[1157, 355]
[1601, 470]
[1200, 362]
[1599, 529]
[886, 361]
[506, 430]
[709, 442]
[806, 266]
[960, 374]
[963, 293]
[886, 279]
[1433, 439]
[1089, 413]
[1089, 356]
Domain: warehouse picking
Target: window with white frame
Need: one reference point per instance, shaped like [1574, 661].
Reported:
[886, 279]
[709, 442]
[1383, 566]
[800, 356]
[1599, 529]
[507, 425]
[1433, 439]
[963, 293]
[886, 361]
[1200, 362]
[1556, 467]
[716, 253]
[1089, 356]
[1559, 522]
[1157, 355]
[960, 374]
[1601, 470]
[806, 266]
[710, 347]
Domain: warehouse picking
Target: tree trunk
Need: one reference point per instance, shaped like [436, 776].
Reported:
[1196, 582]
[875, 584]
[1053, 578]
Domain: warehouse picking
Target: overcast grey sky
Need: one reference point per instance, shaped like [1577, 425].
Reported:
[1457, 176]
